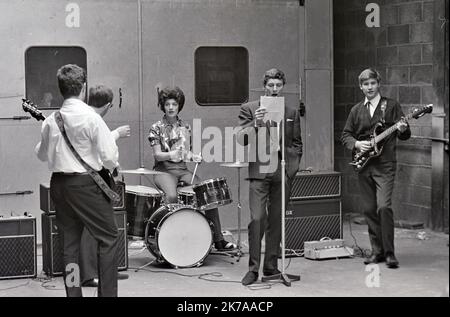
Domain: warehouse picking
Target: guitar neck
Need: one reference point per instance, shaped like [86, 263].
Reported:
[391, 129]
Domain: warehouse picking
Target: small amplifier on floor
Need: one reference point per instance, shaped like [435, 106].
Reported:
[18, 247]
[327, 249]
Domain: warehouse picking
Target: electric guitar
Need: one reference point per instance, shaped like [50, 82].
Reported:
[32, 109]
[361, 158]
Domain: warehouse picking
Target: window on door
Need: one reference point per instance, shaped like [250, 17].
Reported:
[41, 65]
[221, 75]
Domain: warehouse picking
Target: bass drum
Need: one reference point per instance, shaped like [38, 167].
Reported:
[178, 235]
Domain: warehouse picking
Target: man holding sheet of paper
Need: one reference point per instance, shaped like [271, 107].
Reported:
[260, 129]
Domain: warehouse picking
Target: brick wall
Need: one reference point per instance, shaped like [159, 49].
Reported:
[402, 50]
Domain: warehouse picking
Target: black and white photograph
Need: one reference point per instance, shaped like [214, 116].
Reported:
[224, 155]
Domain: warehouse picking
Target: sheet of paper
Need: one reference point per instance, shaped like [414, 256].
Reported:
[274, 107]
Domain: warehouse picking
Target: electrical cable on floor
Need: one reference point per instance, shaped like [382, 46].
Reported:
[44, 280]
[297, 253]
[260, 286]
[14, 287]
[289, 263]
[199, 276]
[363, 253]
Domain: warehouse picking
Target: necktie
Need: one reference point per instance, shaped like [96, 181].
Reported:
[369, 108]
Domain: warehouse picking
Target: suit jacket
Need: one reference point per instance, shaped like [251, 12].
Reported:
[248, 134]
[360, 125]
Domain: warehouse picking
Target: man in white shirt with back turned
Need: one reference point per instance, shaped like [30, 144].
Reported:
[79, 201]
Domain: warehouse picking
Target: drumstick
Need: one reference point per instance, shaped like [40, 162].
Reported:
[195, 171]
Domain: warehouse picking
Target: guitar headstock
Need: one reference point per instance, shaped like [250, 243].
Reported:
[419, 112]
[31, 108]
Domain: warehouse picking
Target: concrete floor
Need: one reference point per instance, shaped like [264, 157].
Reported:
[424, 271]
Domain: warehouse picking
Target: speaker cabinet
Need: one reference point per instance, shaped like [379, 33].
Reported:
[122, 247]
[52, 248]
[18, 247]
[311, 220]
[316, 185]
[47, 205]
[120, 190]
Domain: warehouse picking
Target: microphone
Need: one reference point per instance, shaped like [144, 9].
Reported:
[120, 98]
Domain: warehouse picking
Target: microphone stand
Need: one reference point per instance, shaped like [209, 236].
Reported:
[283, 277]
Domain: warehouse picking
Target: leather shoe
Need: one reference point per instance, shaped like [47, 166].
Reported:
[90, 283]
[374, 258]
[224, 245]
[272, 272]
[391, 261]
[122, 276]
[250, 278]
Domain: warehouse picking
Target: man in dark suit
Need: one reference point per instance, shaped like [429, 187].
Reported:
[376, 179]
[265, 175]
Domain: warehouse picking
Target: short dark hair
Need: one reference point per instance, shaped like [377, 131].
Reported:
[99, 96]
[71, 79]
[369, 73]
[170, 93]
[274, 73]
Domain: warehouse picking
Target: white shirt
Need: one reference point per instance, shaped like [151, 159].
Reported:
[373, 104]
[89, 135]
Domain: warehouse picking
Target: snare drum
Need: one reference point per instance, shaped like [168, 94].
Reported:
[186, 196]
[178, 235]
[212, 193]
[141, 203]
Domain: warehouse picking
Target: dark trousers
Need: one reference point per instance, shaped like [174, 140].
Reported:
[168, 184]
[265, 218]
[88, 257]
[79, 204]
[376, 182]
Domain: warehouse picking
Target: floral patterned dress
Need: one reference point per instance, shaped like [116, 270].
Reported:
[170, 137]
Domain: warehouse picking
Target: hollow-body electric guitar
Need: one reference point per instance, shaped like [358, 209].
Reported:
[361, 158]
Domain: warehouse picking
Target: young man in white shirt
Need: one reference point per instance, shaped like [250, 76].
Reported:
[79, 201]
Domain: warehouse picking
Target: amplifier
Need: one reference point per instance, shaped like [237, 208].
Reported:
[309, 220]
[316, 185]
[52, 248]
[120, 190]
[18, 247]
[122, 247]
[47, 205]
[327, 249]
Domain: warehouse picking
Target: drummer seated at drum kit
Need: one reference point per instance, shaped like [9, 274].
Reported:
[169, 139]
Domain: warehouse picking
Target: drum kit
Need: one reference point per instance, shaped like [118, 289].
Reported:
[177, 234]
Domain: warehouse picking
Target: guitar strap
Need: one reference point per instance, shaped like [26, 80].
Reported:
[94, 174]
[383, 110]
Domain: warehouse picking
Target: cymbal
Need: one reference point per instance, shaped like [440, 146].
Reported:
[141, 171]
[235, 164]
